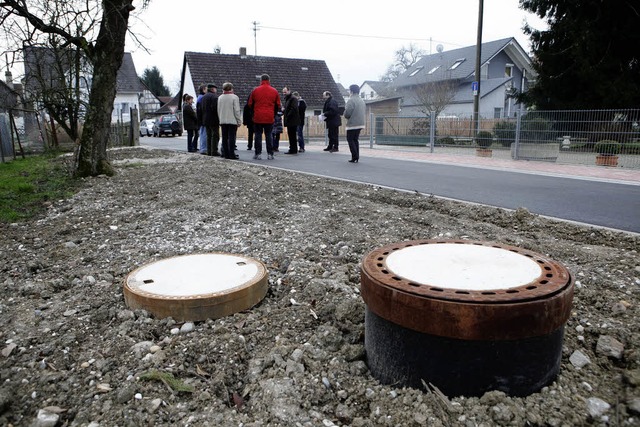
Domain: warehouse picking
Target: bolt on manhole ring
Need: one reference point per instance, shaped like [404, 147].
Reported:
[466, 316]
[197, 287]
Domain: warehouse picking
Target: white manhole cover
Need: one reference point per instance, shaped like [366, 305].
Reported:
[197, 287]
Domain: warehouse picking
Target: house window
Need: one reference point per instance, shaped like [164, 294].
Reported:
[508, 70]
[372, 94]
[484, 72]
[433, 70]
[497, 113]
[416, 71]
[456, 64]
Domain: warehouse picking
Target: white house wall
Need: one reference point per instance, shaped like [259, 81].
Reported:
[189, 87]
[121, 105]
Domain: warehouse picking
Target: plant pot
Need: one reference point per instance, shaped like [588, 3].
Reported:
[483, 152]
[606, 160]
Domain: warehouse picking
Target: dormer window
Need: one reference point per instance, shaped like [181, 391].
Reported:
[456, 64]
[433, 70]
[416, 71]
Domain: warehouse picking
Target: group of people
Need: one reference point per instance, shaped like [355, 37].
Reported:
[265, 115]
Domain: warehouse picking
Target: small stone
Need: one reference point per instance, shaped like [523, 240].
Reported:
[597, 407]
[175, 331]
[579, 329]
[634, 405]
[154, 405]
[137, 396]
[70, 245]
[610, 347]
[46, 418]
[187, 327]
[579, 359]
[155, 348]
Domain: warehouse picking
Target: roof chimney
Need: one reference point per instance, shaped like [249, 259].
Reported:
[243, 52]
[8, 77]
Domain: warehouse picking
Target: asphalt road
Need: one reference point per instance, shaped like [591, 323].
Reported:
[606, 204]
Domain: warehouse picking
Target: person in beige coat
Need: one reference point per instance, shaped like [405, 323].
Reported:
[354, 112]
[230, 118]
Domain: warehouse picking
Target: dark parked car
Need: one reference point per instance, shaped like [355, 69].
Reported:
[167, 125]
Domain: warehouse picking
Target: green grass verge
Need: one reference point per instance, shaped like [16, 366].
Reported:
[26, 185]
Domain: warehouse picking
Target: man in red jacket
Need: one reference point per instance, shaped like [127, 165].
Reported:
[265, 102]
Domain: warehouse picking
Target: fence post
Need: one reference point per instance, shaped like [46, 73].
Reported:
[516, 143]
[371, 117]
[432, 130]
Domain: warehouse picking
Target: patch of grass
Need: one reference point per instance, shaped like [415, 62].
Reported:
[169, 380]
[26, 185]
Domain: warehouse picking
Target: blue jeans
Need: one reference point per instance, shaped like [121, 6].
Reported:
[203, 139]
[259, 129]
[301, 136]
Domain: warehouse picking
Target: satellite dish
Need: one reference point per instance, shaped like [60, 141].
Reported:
[439, 48]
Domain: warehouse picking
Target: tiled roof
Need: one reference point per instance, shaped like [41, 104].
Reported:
[441, 65]
[307, 76]
[128, 80]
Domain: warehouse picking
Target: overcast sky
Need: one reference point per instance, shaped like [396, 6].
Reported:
[356, 39]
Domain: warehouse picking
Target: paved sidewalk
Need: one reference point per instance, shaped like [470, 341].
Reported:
[599, 173]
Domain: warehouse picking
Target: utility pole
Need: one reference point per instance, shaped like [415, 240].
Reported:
[476, 89]
[255, 37]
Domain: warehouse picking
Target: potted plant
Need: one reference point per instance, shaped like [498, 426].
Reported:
[608, 151]
[484, 139]
[505, 132]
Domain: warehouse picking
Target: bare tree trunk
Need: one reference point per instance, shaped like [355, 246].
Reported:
[106, 60]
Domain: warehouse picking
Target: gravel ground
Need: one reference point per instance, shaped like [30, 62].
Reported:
[74, 354]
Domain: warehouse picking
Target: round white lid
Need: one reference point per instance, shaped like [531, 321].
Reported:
[465, 267]
[191, 275]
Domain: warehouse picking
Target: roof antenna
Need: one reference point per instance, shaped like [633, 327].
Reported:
[255, 37]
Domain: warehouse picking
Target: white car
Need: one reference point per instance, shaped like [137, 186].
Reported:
[146, 127]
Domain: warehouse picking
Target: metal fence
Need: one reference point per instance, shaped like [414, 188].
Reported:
[596, 137]
[21, 132]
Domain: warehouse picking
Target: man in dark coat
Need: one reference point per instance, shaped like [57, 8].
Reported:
[331, 113]
[302, 108]
[247, 120]
[291, 119]
[211, 120]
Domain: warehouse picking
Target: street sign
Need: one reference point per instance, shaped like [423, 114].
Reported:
[474, 88]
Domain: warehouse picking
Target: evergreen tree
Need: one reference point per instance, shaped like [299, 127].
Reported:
[588, 58]
[154, 81]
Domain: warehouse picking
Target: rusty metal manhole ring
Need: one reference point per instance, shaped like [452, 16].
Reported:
[467, 289]
[466, 316]
[197, 287]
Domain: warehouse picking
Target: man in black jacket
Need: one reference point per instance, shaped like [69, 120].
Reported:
[291, 119]
[211, 120]
[302, 108]
[331, 113]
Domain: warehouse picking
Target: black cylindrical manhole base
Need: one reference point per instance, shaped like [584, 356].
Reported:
[403, 357]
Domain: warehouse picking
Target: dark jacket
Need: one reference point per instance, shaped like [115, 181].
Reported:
[265, 101]
[302, 109]
[331, 113]
[247, 115]
[200, 110]
[277, 123]
[291, 113]
[210, 110]
[189, 117]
